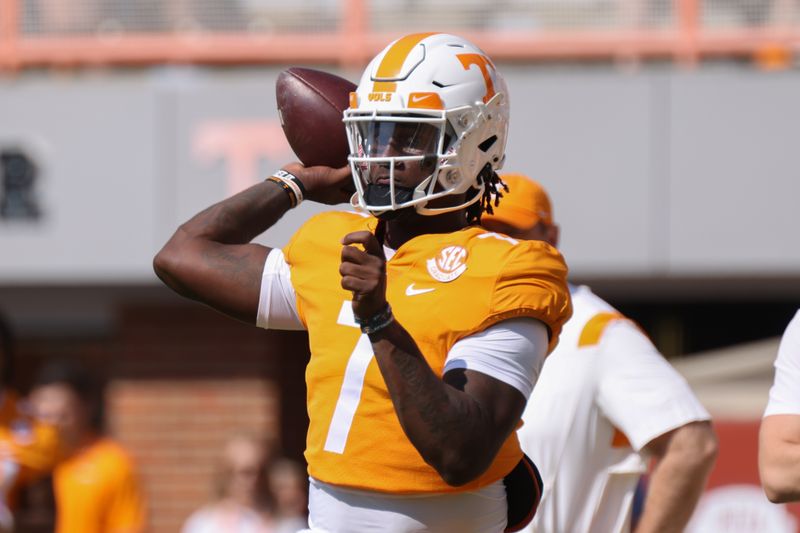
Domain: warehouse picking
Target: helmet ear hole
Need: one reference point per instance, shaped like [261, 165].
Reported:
[485, 145]
[450, 177]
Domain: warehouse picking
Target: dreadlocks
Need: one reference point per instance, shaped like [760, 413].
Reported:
[491, 195]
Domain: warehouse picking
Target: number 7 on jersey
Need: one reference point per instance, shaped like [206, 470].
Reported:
[353, 383]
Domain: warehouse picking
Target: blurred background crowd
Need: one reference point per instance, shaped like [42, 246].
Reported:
[665, 131]
[63, 471]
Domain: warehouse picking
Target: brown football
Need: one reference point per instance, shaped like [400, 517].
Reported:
[310, 106]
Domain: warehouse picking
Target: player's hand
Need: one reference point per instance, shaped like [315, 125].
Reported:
[325, 185]
[364, 273]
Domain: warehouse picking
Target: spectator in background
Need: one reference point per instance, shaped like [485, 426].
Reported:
[779, 438]
[28, 448]
[287, 484]
[605, 402]
[242, 497]
[96, 488]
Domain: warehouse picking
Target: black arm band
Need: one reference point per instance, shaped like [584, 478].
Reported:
[376, 322]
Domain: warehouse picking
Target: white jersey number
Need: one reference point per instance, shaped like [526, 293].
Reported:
[353, 383]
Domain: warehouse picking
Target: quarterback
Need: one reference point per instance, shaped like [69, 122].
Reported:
[427, 332]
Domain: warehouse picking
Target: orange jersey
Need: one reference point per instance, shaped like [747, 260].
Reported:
[442, 288]
[97, 491]
[29, 449]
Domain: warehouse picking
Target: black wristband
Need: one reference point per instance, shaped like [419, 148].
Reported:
[376, 322]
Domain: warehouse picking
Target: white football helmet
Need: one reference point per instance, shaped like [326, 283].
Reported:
[432, 100]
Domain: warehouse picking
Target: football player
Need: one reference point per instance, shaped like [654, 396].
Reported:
[427, 332]
[606, 404]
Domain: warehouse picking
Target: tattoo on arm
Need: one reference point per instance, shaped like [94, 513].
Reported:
[436, 416]
[427, 397]
[210, 257]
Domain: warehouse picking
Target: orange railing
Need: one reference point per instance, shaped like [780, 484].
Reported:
[684, 31]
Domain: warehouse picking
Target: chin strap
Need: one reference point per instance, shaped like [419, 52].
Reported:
[381, 195]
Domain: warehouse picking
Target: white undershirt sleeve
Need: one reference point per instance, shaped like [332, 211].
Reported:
[277, 303]
[512, 351]
[784, 396]
[638, 390]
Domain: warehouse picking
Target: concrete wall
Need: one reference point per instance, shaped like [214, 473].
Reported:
[655, 175]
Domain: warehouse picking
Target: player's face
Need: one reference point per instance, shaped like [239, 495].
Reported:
[58, 405]
[418, 141]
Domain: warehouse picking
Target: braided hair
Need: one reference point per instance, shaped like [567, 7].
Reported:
[491, 194]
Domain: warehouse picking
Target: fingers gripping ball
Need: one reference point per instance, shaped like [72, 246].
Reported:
[310, 106]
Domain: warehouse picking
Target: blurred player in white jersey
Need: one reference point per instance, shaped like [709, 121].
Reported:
[779, 439]
[606, 402]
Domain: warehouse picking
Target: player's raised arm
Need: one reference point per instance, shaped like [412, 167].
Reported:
[210, 258]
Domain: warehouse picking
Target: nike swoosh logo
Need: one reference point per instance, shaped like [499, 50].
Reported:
[411, 291]
[416, 98]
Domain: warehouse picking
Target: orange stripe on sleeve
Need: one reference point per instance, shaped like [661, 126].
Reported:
[594, 328]
[620, 440]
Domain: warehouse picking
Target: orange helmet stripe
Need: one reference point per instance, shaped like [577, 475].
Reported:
[392, 63]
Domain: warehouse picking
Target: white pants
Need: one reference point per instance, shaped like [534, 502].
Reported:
[334, 509]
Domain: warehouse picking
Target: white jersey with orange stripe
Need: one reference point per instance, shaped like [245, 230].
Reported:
[603, 394]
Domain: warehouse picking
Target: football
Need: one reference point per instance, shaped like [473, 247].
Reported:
[310, 107]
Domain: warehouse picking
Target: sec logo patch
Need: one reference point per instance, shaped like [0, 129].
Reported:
[449, 264]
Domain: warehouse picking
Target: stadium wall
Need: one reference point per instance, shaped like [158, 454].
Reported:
[656, 174]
